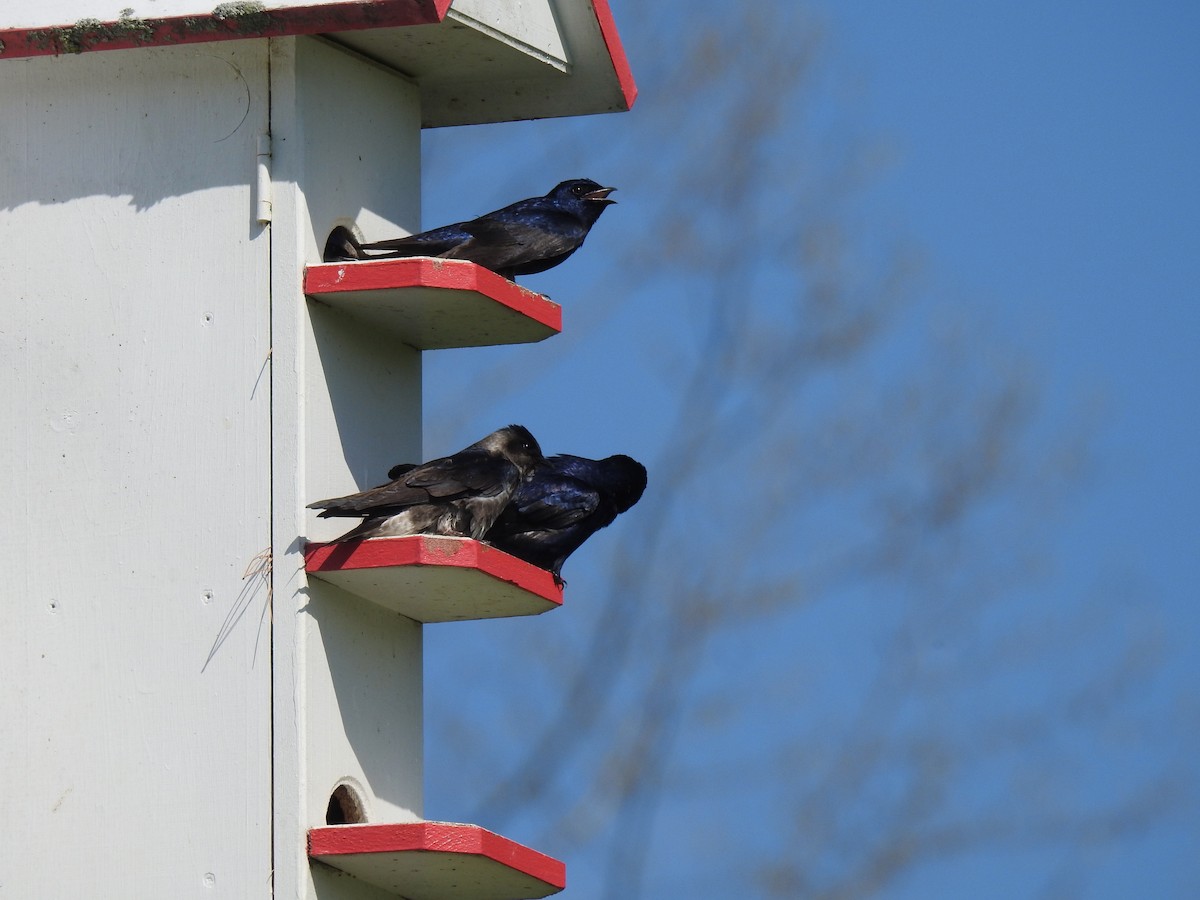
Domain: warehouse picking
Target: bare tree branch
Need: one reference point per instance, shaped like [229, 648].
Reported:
[827, 445]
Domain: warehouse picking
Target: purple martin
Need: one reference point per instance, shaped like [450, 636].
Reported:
[457, 495]
[565, 501]
[526, 237]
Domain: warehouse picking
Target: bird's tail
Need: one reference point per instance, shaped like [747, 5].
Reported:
[342, 245]
[364, 529]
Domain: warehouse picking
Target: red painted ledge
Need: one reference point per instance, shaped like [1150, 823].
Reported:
[616, 51]
[424, 271]
[438, 859]
[431, 578]
[436, 303]
[125, 34]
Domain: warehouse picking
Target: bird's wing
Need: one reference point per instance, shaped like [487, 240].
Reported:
[390, 497]
[510, 242]
[558, 504]
[436, 242]
[439, 479]
[470, 472]
[387, 498]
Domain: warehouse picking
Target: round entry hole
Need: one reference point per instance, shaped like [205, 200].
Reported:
[345, 807]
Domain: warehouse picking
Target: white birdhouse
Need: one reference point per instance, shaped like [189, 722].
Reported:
[200, 698]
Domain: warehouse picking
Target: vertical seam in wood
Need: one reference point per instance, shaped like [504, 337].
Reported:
[271, 482]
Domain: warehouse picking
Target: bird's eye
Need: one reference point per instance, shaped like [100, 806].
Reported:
[579, 190]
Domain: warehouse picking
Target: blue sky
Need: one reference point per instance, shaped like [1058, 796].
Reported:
[1044, 161]
[1047, 161]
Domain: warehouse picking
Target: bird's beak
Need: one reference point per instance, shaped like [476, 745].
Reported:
[600, 194]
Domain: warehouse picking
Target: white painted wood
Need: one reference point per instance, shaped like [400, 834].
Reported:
[334, 883]
[135, 472]
[523, 84]
[347, 405]
[432, 875]
[526, 24]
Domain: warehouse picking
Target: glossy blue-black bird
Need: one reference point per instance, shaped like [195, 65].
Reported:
[565, 501]
[523, 238]
[459, 495]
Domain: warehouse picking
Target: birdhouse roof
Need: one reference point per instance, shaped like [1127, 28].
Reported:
[475, 60]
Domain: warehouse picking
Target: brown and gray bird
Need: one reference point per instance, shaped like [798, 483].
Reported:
[523, 238]
[460, 495]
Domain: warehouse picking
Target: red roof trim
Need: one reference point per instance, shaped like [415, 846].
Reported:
[127, 33]
[616, 51]
[422, 271]
[437, 837]
[432, 550]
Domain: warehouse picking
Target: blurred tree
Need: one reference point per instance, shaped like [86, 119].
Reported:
[807, 664]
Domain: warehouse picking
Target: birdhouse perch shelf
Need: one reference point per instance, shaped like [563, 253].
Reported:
[429, 860]
[435, 304]
[435, 579]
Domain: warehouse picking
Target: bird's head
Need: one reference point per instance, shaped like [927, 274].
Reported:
[588, 196]
[517, 445]
[626, 479]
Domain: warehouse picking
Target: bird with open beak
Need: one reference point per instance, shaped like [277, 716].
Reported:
[524, 238]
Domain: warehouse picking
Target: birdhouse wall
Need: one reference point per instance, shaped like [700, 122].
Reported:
[346, 149]
[135, 459]
[180, 700]
[171, 402]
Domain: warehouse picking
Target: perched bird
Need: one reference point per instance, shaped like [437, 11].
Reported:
[527, 237]
[456, 495]
[565, 501]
